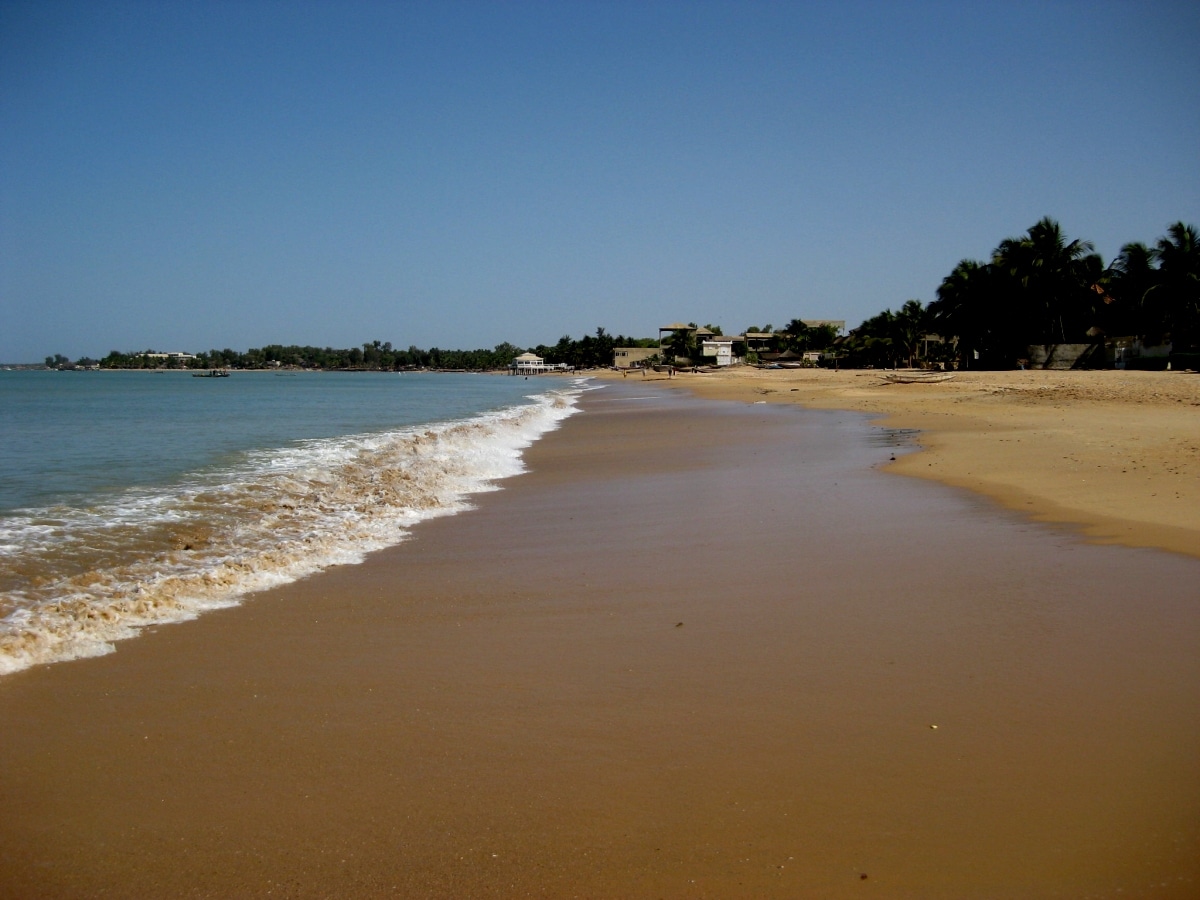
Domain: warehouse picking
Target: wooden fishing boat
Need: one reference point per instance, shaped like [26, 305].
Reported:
[916, 376]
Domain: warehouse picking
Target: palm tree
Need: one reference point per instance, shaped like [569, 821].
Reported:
[681, 344]
[970, 307]
[602, 348]
[909, 324]
[1176, 296]
[1054, 279]
[873, 342]
[1130, 276]
[822, 337]
[797, 335]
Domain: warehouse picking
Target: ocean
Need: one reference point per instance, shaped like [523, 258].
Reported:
[130, 499]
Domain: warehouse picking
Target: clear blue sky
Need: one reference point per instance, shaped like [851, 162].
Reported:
[191, 175]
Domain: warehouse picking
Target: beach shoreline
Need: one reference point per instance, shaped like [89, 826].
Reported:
[698, 649]
[1112, 454]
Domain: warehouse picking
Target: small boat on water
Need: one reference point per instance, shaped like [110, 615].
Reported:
[211, 373]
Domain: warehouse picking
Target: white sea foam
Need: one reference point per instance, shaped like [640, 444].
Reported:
[73, 581]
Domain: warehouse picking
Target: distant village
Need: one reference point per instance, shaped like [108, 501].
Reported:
[678, 345]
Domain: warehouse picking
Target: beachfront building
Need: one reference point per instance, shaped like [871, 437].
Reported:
[838, 325]
[711, 349]
[758, 341]
[528, 364]
[719, 349]
[666, 332]
[631, 357]
[532, 364]
[788, 358]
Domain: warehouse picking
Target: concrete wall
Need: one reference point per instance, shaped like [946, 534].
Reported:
[1066, 356]
[624, 357]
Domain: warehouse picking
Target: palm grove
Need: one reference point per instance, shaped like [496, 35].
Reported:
[1043, 289]
[1037, 289]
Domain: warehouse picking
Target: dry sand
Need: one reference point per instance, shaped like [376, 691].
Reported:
[699, 650]
[1116, 454]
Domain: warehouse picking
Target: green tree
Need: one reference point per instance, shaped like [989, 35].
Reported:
[974, 305]
[909, 325]
[1129, 277]
[504, 355]
[821, 337]
[870, 344]
[602, 349]
[681, 344]
[796, 336]
[1053, 299]
[1175, 297]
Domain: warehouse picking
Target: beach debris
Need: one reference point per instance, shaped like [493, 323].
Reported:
[678, 624]
[933, 727]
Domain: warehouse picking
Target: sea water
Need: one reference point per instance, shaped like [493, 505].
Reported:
[130, 499]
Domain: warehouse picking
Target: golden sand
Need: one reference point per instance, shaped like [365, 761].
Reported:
[698, 650]
[1116, 454]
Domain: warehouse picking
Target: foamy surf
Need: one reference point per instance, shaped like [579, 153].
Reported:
[73, 581]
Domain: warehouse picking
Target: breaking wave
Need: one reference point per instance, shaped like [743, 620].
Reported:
[74, 580]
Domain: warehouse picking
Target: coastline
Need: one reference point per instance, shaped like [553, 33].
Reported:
[1114, 455]
[696, 649]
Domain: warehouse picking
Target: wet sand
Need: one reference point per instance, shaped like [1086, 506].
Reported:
[699, 650]
[1115, 454]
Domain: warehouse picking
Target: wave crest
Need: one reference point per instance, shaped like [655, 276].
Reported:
[73, 581]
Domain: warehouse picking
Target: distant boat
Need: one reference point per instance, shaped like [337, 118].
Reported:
[211, 373]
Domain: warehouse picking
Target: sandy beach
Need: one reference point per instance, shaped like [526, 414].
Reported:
[1115, 454]
[702, 648]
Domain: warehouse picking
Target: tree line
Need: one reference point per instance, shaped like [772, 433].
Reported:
[371, 356]
[1042, 288]
[586, 352]
[1038, 288]
[590, 351]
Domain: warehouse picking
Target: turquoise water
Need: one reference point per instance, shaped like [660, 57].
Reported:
[133, 498]
[73, 434]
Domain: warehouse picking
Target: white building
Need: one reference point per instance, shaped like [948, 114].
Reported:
[720, 348]
[532, 364]
[528, 364]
